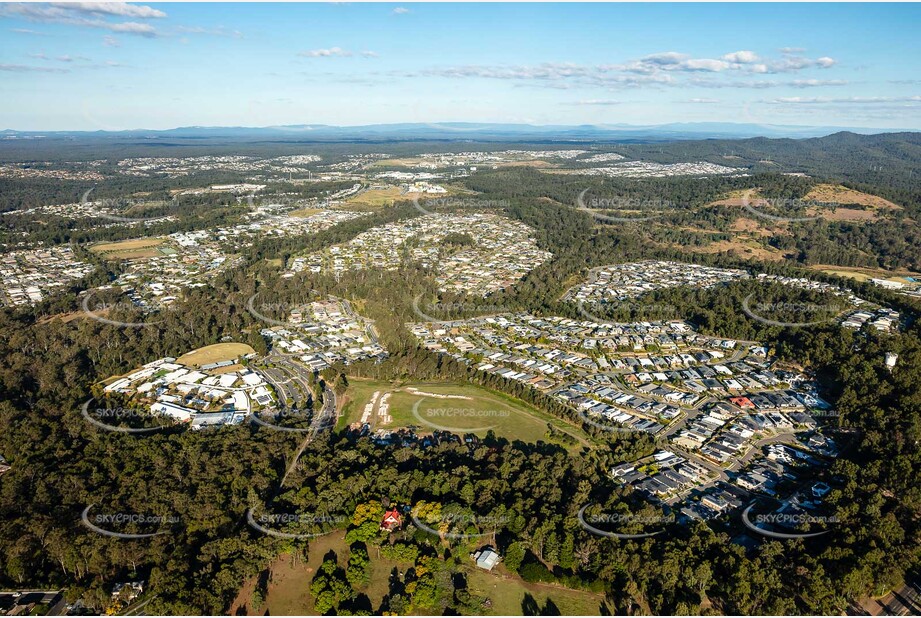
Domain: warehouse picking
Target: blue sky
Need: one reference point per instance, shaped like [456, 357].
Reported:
[112, 66]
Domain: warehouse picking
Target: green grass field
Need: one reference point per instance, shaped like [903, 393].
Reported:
[484, 410]
[507, 594]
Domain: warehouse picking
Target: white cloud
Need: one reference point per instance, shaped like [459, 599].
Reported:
[816, 83]
[332, 52]
[219, 31]
[792, 50]
[740, 61]
[597, 102]
[85, 16]
[706, 64]
[742, 57]
[28, 31]
[369, 54]
[401, 10]
[22, 68]
[842, 100]
[120, 9]
[705, 101]
[111, 41]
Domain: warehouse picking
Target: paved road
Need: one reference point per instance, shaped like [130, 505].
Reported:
[904, 601]
[52, 598]
[324, 420]
[737, 464]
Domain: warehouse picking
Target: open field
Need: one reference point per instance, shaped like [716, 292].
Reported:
[865, 274]
[743, 247]
[528, 163]
[137, 248]
[289, 583]
[836, 194]
[401, 162]
[305, 212]
[215, 353]
[481, 411]
[377, 198]
[864, 207]
[70, 317]
[507, 594]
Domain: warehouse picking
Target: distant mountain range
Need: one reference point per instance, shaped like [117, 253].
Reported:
[471, 131]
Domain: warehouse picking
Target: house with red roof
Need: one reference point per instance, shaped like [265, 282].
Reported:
[392, 520]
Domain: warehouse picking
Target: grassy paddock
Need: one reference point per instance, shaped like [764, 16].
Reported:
[507, 417]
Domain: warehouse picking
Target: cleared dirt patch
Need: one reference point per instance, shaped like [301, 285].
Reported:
[842, 214]
[836, 194]
[744, 224]
[865, 274]
[377, 198]
[137, 248]
[215, 353]
[508, 417]
[70, 317]
[744, 249]
[304, 212]
[532, 163]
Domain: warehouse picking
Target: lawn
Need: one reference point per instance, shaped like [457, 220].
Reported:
[483, 410]
[865, 274]
[376, 198]
[289, 579]
[137, 248]
[507, 594]
[215, 353]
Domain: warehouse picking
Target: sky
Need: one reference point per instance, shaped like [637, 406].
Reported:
[113, 66]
